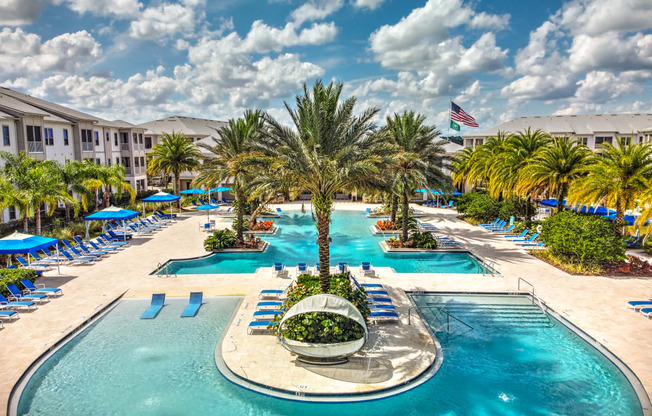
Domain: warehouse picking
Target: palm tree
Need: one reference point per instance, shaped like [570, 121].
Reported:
[416, 160]
[15, 172]
[517, 151]
[623, 171]
[554, 168]
[104, 178]
[174, 154]
[231, 157]
[72, 174]
[475, 165]
[329, 150]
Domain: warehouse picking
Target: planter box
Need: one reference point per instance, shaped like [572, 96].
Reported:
[387, 249]
[271, 231]
[377, 231]
[261, 249]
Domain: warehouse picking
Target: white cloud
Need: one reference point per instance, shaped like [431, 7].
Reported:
[23, 53]
[262, 38]
[19, 12]
[117, 8]
[540, 55]
[548, 87]
[490, 21]
[163, 20]
[602, 86]
[611, 51]
[369, 4]
[483, 55]
[472, 91]
[315, 10]
[596, 17]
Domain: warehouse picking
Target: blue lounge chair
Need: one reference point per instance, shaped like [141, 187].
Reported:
[36, 266]
[158, 299]
[43, 260]
[84, 249]
[8, 314]
[367, 211]
[302, 268]
[266, 315]
[225, 201]
[383, 315]
[194, 203]
[78, 260]
[31, 288]
[278, 269]
[366, 285]
[375, 306]
[269, 305]
[342, 267]
[500, 224]
[109, 240]
[489, 223]
[521, 235]
[647, 312]
[265, 326]
[279, 210]
[527, 240]
[19, 304]
[79, 254]
[366, 269]
[213, 201]
[450, 204]
[504, 230]
[97, 246]
[50, 254]
[638, 304]
[379, 300]
[163, 215]
[193, 304]
[18, 295]
[539, 244]
[120, 237]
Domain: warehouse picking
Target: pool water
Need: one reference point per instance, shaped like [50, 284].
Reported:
[512, 363]
[296, 242]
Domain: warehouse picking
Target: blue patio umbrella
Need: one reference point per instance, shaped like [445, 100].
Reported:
[220, 189]
[18, 243]
[456, 193]
[161, 197]
[111, 214]
[207, 208]
[552, 202]
[603, 211]
[193, 191]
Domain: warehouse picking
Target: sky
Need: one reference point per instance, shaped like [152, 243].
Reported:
[140, 60]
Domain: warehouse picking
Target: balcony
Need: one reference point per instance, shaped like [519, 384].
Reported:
[127, 170]
[35, 147]
[87, 147]
[124, 146]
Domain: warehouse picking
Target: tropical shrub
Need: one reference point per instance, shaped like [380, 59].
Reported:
[220, 240]
[482, 207]
[323, 327]
[424, 240]
[9, 276]
[587, 240]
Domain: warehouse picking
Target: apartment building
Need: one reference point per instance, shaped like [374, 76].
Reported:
[46, 130]
[590, 129]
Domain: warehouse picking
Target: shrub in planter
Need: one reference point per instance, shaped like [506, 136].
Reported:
[9, 276]
[220, 240]
[424, 240]
[323, 327]
[587, 240]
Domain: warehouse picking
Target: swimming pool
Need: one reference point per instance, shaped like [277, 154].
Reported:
[353, 243]
[505, 366]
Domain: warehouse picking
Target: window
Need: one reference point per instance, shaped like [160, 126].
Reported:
[97, 138]
[108, 162]
[583, 140]
[628, 140]
[142, 161]
[468, 142]
[600, 140]
[108, 138]
[140, 138]
[136, 164]
[12, 213]
[98, 162]
[65, 137]
[34, 141]
[115, 139]
[117, 160]
[49, 137]
[87, 140]
[478, 142]
[148, 142]
[135, 136]
[5, 136]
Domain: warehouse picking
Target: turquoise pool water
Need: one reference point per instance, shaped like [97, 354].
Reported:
[353, 243]
[512, 363]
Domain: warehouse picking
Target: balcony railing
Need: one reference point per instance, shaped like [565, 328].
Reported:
[124, 146]
[127, 170]
[35, 147]
[87, 147]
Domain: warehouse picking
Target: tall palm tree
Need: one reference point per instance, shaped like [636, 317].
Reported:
[72, 174]
[15, 172]
[329, 150]
[104, 178]
[231, 156]
[476, 165]
[517, 151]
[174, 154]
[623, 171]
[553, 168]
[416, 160]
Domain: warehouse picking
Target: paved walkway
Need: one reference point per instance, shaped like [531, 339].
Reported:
[595, 304]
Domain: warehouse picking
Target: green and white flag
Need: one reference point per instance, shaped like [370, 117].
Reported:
[455, 126]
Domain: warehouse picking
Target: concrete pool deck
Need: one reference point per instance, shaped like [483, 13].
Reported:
[595, 304]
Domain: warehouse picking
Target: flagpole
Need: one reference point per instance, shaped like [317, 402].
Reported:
[449, 115]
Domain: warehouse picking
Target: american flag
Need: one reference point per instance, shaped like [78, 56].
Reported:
[457, 114]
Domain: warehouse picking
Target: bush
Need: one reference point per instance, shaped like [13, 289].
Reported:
[587, 240]
[9, 276]
[481, 207]
[424, 240]
[220, 240]
[323, 327]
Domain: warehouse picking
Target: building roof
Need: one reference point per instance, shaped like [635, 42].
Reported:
[16, 107]
[118, 124]
[584, 124]
[55, 109]
[189, 126]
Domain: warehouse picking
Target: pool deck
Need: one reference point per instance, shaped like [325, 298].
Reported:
[595, 304]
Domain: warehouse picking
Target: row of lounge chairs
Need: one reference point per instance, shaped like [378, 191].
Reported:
[141, 226]
[642, 306]
[271, 303]
[443, 242]
[26, 299]
[279, 269]
[433, 204]
[500, 227]
[158, 301]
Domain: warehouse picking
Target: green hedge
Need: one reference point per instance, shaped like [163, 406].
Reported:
[323, 327]
[582, 239]
[220, 240]
[480, 206]
[9, 276]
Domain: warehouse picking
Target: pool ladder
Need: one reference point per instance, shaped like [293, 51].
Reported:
[448, 318]
[160, 268]
[486, 267]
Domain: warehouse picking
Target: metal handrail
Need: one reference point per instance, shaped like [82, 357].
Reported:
[448, 316]
[535, 297]
[486, 264]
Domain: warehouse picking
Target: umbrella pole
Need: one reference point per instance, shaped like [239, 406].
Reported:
[124, 231]
[58, 261]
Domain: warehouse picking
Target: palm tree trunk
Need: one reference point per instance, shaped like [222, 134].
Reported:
[67, 212]
[177, 187]
[323, 207]
[620, 213]
[394, 207]
[404, 223]
[37, 214]
[254, 215]
[25, 222]
[560, 202]
[106, 197]
[239, 195]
